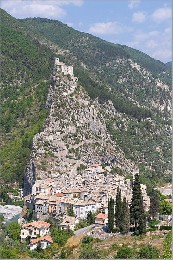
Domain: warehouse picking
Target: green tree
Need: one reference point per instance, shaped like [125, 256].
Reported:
[125, 252]
[82, 223]
[1, 221]
[60, 236]
[90, 218]
[13, 230]
[9, 253]
[111, 214]
[137, 214]
[148, 252]
[87, 240]
[125, 224]
[70, 211]
[118, 210]
[154, 203]
[165, 208]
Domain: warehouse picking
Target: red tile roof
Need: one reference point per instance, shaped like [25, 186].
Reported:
[37, 224]
[44, 238]
[59, 194]
[102, 216]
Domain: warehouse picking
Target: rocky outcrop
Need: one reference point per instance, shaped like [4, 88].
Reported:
[29, 178]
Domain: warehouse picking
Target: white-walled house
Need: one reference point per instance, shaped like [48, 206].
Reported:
[44, 242]
[63, 67]
[81, 208]
[68, 223]
[34, 229]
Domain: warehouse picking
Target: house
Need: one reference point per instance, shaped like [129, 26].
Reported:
[41, 208]
[44, 242]
[55, 204]
[60, 66]
[68, 223]
[81, 208]
[101, 219]
[34, 229]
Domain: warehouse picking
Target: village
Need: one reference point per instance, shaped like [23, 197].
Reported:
[86, 192]
[68, 198]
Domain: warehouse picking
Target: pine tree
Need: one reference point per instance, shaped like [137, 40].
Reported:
[118, 209]
[137, 214]
[125, 224]
[111, 214]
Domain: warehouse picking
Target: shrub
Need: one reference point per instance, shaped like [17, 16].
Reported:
[13, 230]
[87, 252]
[125, 252]
[87, 240]
[165, 227]
[135, 233]
[148, 252]
[167, 246]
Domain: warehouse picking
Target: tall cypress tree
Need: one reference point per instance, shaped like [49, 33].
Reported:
[111, 214]
[154, 203]
[118, 209]
[137, 214]
[125, 224]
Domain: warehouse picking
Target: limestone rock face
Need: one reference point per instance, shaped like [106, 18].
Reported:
[75, 133]
[29, 178]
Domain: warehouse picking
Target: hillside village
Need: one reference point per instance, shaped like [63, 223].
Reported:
[81, 186]
[85, 168]
[86, 189]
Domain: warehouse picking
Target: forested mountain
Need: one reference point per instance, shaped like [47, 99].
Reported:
[169, 65]
[25, 71]
[137, 86]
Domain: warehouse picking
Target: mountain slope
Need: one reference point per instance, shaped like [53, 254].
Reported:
[129, 90]
[138, 86]
[25, 72]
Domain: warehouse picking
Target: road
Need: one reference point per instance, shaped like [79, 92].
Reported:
[81, 231]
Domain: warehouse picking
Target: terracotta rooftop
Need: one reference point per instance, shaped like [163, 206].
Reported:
[44, 238]
[68, 220]
[37, 224]
[59, 194]
[102, 216]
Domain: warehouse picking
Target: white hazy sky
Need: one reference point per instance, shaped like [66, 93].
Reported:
[142, 24]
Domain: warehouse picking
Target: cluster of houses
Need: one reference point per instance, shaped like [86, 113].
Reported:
[38, 233]
[84, 192]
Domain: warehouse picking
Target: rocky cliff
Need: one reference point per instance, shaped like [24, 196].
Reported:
[75, 133]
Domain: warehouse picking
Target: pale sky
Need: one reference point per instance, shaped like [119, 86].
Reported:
[142, 24]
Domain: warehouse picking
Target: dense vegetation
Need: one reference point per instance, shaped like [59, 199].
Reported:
[25, 70]
[28, 46]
